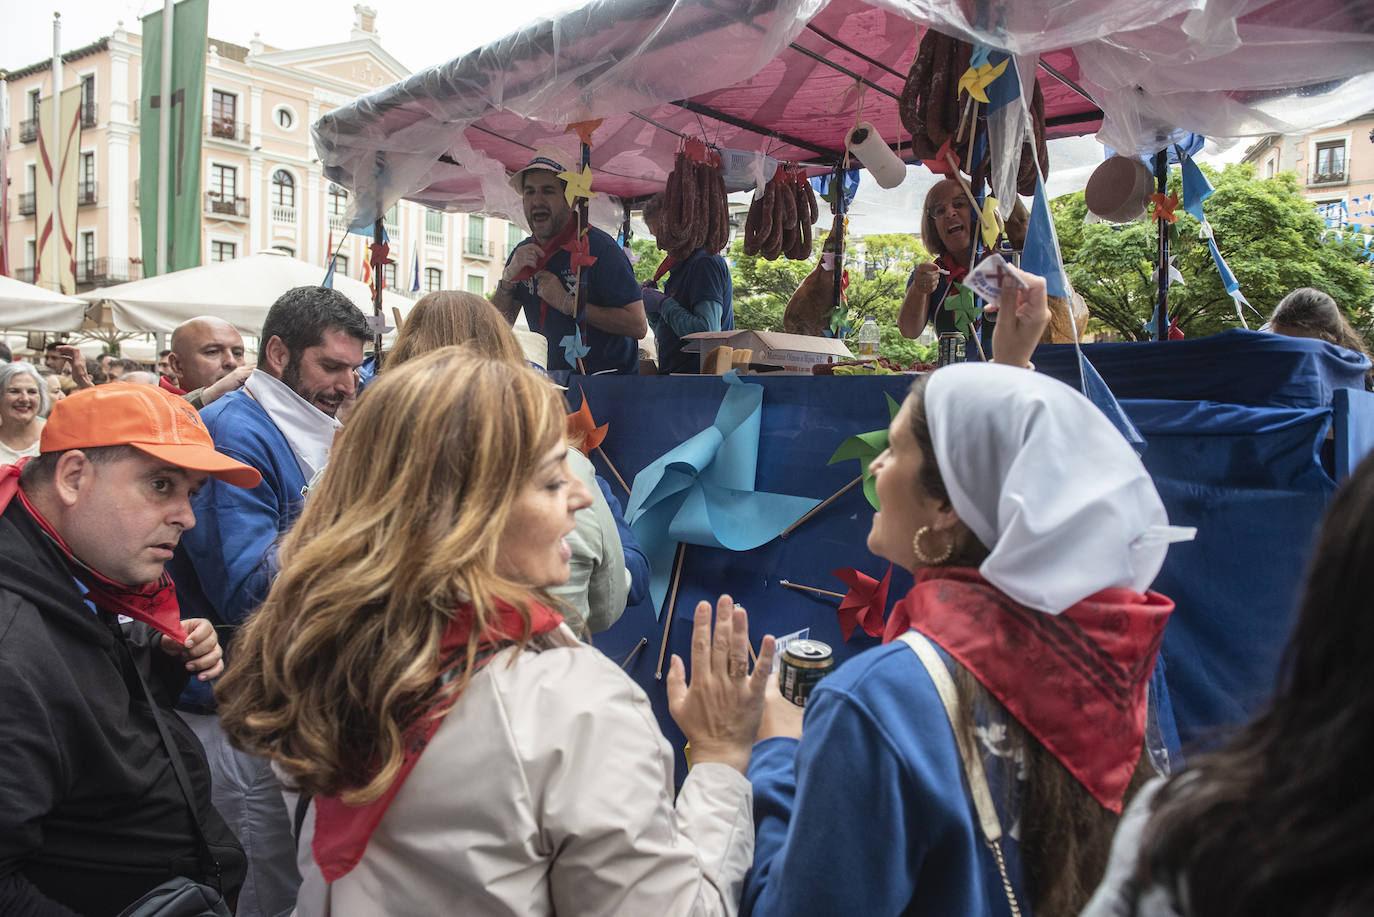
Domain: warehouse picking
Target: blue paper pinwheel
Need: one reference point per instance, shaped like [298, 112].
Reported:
[702, 491]
[573, 348]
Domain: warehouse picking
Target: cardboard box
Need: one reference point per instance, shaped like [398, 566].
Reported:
[793, 353]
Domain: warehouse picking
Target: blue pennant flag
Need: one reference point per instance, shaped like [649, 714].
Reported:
[1041, 253]
[1196, 188]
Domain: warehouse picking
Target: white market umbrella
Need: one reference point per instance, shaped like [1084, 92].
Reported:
[23, 305]
[239, 291]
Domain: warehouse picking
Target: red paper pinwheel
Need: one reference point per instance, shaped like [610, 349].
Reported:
[1164, 206]
[865, 603]
[583, 431]
[941, 164]
[580, 253]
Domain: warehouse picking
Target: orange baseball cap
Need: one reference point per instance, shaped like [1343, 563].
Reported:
[149, 419]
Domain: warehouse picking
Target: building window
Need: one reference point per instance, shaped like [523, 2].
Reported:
[222, 251]
[1330, 161]
[477, 234]
[392, 217]
[1269, 168]
[224, 181]
[223, 114]
[434, 279]
[283, 189]
[33, 103]
[88, 109]
[87, 249]
[514, 236]
[389, 275]
[434, 221]
[341, 265]
[87, 174]
[476, 283]
[286, 250]
[286, 119]
[338, 200]
[31, 175]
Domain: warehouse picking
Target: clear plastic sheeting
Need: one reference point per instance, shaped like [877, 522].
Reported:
[785, 80]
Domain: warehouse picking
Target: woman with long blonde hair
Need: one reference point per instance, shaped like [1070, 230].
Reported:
[464, 752]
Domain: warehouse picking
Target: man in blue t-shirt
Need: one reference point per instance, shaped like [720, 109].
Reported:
[539, 277]
[701, 298]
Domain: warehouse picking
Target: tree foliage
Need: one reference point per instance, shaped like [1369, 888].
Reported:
[878, 268]
[1270, 236]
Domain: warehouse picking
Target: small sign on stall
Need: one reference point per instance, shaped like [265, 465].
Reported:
[771, 351]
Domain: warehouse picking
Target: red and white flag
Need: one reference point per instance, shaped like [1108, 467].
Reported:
[59, 155]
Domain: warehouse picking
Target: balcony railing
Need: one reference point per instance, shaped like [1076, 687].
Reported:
[281, 213]
[433, 238]
[223, 205]
[1328, 178]
[338, 222]
[479, 248]
[102, 272]
[27, 203]
[224, 129]
[86, 192]
[393, 230]
[28, 130]
[89, 112]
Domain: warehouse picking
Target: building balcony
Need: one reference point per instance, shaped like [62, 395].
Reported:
[85, 193]
[28, 203]
[1328, 179]
[338, 222]
[435, 239]
[89, 112]
[226, 206]
[479, 248]
[282, 213]
[102, 272]
[393, 230]
[224, 129]
[28, 130]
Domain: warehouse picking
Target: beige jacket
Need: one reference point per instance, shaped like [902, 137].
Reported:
[548, 790]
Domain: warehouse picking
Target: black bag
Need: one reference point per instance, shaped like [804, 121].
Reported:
[179, 897]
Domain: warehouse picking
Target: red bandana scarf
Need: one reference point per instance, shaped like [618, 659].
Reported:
[566, 236]
[342, 831]
[155, 603]
[1078, 680]
[167, 385]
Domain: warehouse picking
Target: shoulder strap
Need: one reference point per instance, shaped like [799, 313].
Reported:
[971, 760]
[208, 861]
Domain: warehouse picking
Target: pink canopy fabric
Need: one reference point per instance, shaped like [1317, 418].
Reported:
[789, 78]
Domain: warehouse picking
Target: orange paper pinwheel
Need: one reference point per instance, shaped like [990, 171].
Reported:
[1164, 206]
[583, 431]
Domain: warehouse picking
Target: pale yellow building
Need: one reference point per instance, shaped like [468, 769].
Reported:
[261, 183]
[1335, 167]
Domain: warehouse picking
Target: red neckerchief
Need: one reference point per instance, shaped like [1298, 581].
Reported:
[668, 263]
[1078, 680]
[155, 603]
[957, 272]
[550, 248]
[167, 384]
[342, 831]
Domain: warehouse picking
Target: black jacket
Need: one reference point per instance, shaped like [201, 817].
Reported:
[91, 814]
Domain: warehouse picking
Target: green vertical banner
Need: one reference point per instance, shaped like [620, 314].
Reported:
[190, 19]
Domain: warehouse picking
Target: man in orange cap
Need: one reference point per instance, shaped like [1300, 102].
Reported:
[104, 791]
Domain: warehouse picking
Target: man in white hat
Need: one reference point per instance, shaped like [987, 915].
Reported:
[539, 277]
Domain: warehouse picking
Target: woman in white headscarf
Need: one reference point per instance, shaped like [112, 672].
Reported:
[977, 763]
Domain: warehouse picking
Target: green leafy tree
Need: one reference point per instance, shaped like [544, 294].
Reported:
[649, 258]
[877, 282]
[1270, 236]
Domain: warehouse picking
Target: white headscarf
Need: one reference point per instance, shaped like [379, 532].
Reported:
[1045, 481]
[308, 430]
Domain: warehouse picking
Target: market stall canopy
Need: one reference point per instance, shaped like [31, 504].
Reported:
[25, 306]
[789, 78]
[239, 291]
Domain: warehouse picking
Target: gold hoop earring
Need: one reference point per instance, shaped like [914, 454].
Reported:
[925, 558]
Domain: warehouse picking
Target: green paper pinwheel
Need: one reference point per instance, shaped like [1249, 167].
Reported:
[702, 491]
[866, 447]
[964, 306]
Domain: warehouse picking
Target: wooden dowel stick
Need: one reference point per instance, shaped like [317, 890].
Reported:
[753, 655]
[668, 612]
[607, 459]
[788, 585]
[820, 506]
[634, 652]
[396, 317]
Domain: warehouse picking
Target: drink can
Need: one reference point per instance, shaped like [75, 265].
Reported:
[803, 663]
[951, 349]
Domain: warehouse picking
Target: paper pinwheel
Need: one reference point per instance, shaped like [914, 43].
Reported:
[866, 447]
[583, 130]
[964, 306]
[865, 604]
[580, 253]
[976, 80]
[583, 431]
[941, 164]
[579, 184]
[989, 222]
[573, 348]
[702, 491]
[1175, 275]
[1164, 206]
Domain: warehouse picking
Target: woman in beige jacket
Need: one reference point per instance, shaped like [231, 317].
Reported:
[464, 753]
